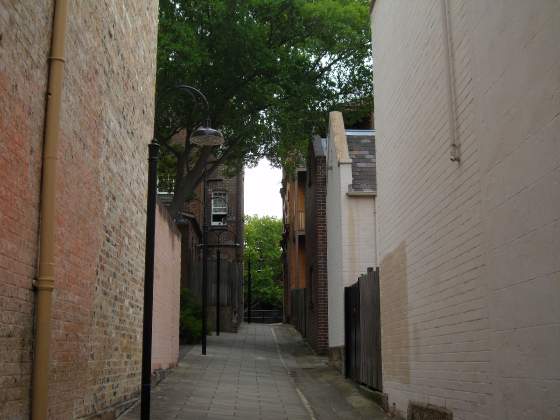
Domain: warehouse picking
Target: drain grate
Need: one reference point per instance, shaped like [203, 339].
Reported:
[419, 411]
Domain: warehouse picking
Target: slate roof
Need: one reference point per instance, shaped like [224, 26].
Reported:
[361, 148]
[319, 146]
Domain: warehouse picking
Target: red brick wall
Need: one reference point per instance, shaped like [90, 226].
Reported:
[167, 279]
[106, 123]
[316, 249]
[22, 86]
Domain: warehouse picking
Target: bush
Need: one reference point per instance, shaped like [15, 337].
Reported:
[190, 319]
[263, 249]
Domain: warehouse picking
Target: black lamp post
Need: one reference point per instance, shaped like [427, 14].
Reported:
[204, 263]
[219, 232]
[218, 268]
[218, 263]
[249, 286]
[149, 281]
[204, 137]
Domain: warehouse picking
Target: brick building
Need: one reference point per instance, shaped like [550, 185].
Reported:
[106, 123]
[328, 240]
[225, 194]
[293, 245]
[469, 248]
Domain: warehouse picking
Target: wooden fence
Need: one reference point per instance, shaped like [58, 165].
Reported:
[298, 310]
[230, 282]
[231, 288]
[363, 330]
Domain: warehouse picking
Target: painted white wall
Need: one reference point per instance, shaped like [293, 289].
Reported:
[470, 252]
[350, 233]
[358, 239]
[334, 241]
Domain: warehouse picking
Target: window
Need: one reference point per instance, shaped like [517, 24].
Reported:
[219, 208]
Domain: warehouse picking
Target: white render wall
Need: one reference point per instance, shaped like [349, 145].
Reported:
[358, 239]
[338, 175]
[350, 233]
[470, 253]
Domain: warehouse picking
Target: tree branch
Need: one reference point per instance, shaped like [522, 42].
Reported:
[171, 149]
[227, 153]
[189, 182]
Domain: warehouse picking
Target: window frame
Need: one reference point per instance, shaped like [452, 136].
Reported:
[219, 210]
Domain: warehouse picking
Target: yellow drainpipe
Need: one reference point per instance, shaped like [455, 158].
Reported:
[45, 277]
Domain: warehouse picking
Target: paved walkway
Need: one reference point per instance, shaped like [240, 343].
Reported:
[262, 372]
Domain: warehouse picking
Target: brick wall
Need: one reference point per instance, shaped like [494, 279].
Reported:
[107, 114]
[469, 252]
[167, 280]
[316, 250]
[221, 180]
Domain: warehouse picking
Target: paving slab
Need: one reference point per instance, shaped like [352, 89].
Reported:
[263, 372]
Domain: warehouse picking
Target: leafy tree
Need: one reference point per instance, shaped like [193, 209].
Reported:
[262, 247]
[190, 319]
[271, 70]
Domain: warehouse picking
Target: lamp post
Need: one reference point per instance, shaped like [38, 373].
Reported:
[149, 281]
[204, 263]
[205, 137]
[218, 246]
[249, 290]
[218, 263]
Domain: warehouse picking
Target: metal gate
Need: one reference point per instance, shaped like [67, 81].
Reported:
[363, 330]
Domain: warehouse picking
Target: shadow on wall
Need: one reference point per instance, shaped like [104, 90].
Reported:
[394, 316]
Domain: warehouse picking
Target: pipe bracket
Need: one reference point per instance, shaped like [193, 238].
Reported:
[54, 58]
[44, 283]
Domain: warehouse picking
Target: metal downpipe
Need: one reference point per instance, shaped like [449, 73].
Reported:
[44, 283]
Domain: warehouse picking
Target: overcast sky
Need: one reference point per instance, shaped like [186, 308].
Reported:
[262, 190]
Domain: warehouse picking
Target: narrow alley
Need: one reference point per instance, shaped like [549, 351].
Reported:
[262, 372]
[350, 207]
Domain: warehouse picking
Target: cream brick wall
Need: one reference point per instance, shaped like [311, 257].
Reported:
[470, 251]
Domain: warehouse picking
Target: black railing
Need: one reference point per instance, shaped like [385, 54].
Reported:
[265, 316]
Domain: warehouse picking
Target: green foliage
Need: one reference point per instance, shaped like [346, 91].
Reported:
[190, 319]
[262, 247]
[271, 69]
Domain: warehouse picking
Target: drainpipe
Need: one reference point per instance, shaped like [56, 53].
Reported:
[45, 278]
[455, 151]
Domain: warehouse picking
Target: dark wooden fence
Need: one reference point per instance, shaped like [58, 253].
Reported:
[363, 330]
[230, 282]
[298, 310]
[231, 288]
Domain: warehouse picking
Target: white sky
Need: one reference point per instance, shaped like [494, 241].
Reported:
[262, 190]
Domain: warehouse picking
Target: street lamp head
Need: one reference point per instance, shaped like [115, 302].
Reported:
[206, 136]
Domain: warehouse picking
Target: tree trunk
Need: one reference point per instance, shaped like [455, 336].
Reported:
[189, 182]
